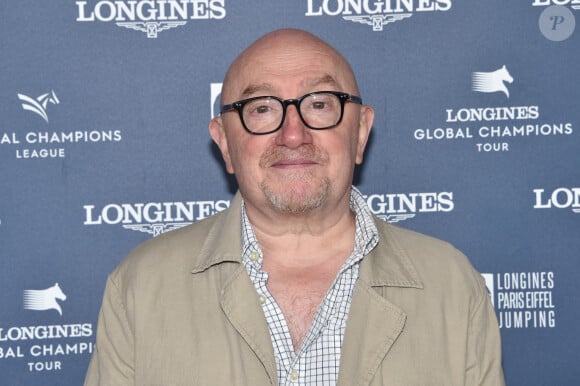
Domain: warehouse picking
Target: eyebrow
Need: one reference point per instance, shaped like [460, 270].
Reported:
[309, 82]
[255, 88]
[326, 79]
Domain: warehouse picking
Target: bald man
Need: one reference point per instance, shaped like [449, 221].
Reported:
[297, 282]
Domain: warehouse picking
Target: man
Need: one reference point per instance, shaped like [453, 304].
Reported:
[297, 282]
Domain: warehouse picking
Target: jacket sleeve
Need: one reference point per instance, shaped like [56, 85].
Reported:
[484, 365]
[112, 362]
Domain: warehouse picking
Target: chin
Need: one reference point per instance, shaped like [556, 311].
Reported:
[297, 198]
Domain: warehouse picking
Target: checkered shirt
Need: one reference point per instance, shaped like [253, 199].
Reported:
[316, 363]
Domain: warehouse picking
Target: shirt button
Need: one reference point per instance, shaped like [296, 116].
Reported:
[262, 299]
[254, 256]
[294, 376]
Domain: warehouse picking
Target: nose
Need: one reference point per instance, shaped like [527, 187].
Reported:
[293, 132]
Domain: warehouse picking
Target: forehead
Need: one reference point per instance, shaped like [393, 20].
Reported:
[287, 66]
[311, 83]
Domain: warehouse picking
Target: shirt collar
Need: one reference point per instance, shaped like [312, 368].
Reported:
[219, 241]
[366, 235]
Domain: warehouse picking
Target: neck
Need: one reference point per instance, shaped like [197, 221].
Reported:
[302, 255]
[305, 241]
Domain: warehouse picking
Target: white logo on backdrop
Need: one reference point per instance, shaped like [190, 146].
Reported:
[44, 347]
[375, 13]
[523, 299]
[492, 128]
[492, 81]
[377, 21]
[150, 16]
[560, 198]
[393, 218]
[39, 104]
[215, 96]
[50, 142]
[154, 218]
[151, 28]
[488, 277]
[574, 4]
[156, 229]
[42, 300]
[403, 206]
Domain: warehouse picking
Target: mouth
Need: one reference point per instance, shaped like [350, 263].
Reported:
[293, 163]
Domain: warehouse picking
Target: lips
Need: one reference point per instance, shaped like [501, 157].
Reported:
[294, 162]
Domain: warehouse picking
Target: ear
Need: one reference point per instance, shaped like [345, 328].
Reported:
[367, 116]
[216, 130]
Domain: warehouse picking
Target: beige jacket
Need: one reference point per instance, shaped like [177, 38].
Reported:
[180, 310]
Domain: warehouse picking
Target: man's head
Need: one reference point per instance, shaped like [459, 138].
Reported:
[294, 169]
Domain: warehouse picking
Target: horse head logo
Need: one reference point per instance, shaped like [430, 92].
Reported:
[41, 300]
[492, 81]
[215, 95]
[39, 105]
[489, 284]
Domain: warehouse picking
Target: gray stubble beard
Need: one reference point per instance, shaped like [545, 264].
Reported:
[294, 204]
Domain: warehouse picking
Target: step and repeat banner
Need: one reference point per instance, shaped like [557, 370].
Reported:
[104, 109]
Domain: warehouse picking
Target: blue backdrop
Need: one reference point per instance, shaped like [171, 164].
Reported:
[104, 107]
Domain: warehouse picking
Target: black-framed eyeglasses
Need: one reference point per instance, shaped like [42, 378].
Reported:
[318, 110]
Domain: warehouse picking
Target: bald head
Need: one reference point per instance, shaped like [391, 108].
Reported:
[284, 55]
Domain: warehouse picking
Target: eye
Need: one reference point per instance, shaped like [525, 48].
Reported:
[262, 106]
[318, 105]
[262, 109]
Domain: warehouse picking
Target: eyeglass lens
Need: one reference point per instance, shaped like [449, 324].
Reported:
[318, 111]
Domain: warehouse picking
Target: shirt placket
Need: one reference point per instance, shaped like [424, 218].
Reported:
[277, 326]
[303, 367]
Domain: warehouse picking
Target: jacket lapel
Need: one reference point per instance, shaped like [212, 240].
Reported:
[373, 326]
[240, 304]
[374, 323]
[239, 300]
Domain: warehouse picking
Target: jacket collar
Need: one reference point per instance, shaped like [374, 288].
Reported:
[386, 265]
[223, 242]
[374, 322]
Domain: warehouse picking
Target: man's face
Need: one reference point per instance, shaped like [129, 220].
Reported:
[295, 169]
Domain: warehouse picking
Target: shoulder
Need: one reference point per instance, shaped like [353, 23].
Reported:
[418, 246]
[438, 263]
[170, 253]
[410, 240]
